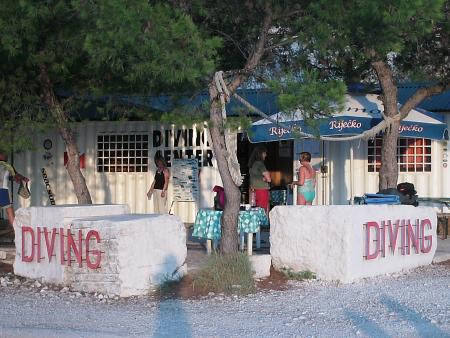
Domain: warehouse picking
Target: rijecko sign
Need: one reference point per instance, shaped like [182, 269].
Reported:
[398, 234]
[43, 240]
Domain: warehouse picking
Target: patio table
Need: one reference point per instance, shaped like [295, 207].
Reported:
[207, 224]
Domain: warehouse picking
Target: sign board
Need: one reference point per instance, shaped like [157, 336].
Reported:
[185, 180]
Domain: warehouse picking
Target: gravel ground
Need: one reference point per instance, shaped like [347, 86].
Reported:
[412, 305]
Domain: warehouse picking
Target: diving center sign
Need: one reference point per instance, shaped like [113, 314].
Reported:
[183, 144]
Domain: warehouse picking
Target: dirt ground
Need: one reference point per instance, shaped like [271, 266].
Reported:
[185, 288]
[5, 268]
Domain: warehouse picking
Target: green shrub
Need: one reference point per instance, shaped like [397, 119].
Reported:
[167, 285]
[302, 275]
[226, 274]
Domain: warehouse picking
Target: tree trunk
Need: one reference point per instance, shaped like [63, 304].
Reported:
[230, 238]
[388, 175]
[62, 121]
[73, 163]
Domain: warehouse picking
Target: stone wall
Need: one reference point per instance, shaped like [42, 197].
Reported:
[49, 219]
[346, 243]
[139, 252]
[99, 248]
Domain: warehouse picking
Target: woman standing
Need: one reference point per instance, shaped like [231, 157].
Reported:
[306, 191]
[159, 186]
[259, 178]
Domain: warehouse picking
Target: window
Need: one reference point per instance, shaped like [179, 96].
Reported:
[374, 154]
[122, 153]
[413, 155]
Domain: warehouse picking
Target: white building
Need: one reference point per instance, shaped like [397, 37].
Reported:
[119, 167]
[118, 164]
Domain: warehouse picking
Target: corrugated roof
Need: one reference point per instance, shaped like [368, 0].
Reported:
[264, 100]
[436, 103]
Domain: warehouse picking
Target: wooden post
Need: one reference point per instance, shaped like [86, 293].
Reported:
[250, 244]
[258, 239]
[208, 247]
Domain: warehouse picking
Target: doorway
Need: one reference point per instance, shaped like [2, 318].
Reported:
[279, 162]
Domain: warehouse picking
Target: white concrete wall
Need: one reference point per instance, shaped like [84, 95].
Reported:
[331, 240]
[54, 217]
[99, 248]
[129, 188]
[139, 252]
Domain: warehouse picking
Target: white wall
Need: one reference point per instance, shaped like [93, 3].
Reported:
[129, 188]
[332, 188]
[347, 243]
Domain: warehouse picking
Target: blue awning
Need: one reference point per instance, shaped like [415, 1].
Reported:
[361, 113]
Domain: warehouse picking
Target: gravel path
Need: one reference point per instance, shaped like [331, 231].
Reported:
[412, 305]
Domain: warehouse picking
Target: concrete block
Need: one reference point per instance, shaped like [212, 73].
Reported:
[346, 243]
[139, 252]
[261, 265]
[51, 221]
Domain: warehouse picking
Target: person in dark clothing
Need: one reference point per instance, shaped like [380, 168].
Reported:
[158, 189]
[259, 179]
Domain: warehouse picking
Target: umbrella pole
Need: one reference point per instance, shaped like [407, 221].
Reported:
[351, 173]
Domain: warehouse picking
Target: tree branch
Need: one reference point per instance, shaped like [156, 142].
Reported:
[229, 37]
[419, 96]
[287, 41]
[258, 50]
[298, 12]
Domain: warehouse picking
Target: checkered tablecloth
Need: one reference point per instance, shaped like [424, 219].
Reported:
[278, 197]
[207, 222]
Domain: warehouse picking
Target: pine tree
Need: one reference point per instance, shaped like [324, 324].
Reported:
[48, 46]
[383, 42]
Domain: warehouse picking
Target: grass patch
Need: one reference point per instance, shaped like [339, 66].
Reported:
[168, 286]
[230, 274]
[302, 275]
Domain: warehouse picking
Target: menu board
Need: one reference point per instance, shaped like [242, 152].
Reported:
[185, 180]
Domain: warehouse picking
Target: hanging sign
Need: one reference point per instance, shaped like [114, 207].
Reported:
[185, 180]
[51, 197]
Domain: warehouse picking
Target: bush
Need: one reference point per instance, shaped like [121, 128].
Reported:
[168, 285]
[226, 274]
[302, 275]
